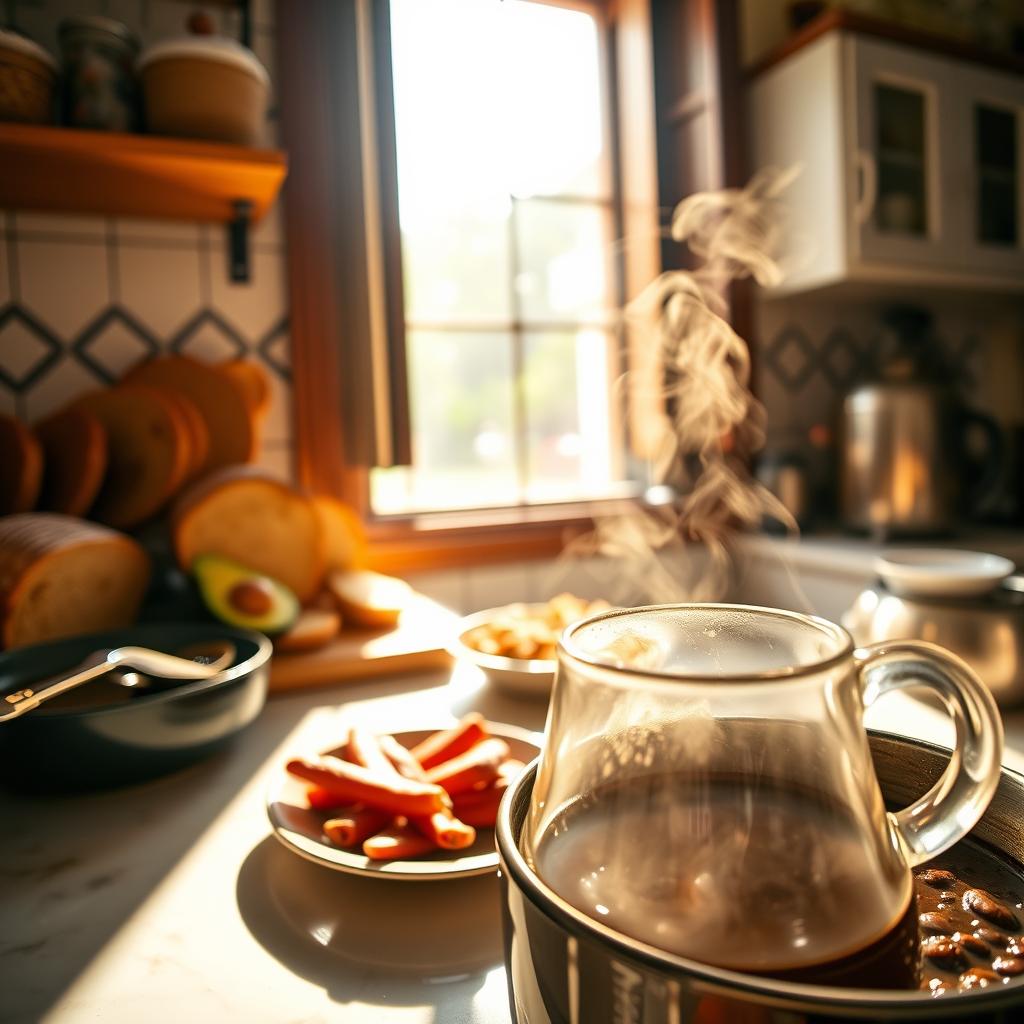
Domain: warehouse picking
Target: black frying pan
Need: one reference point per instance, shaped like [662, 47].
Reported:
[148, 734]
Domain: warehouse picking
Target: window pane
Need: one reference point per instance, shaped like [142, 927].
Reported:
[570, 429]
[464, 448]
[492, 98]
[564, 253]
[457, 269]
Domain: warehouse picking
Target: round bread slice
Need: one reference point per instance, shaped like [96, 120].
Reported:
[251, 379]
[344, 536]
[61, 576]
[195, 427]
[147, 453]
[21, 467]
[312, 629]
[242, 514]
[230, 423]
[75, 460]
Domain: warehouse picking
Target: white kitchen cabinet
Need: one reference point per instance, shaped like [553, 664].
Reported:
[990, 149]
[911, 165]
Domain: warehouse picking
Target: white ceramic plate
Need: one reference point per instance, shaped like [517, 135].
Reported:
[529, 677]
[938, 572]
[300, 828]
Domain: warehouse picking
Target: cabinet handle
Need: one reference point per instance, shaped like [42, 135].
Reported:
[867, 171]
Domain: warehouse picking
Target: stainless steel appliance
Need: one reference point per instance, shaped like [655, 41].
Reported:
[905, 467]
[987, 632]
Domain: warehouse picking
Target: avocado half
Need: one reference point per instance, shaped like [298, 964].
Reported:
[241, 597]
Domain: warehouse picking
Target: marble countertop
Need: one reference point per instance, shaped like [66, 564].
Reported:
[171, 901]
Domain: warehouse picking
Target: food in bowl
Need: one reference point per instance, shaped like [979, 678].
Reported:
[530, 632]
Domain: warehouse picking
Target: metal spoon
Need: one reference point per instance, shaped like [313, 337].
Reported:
[200, 661]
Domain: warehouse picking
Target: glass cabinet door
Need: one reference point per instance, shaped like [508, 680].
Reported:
[997, 181]
[898, 167]
[991, 151]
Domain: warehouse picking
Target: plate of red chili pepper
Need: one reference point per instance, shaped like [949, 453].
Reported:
[418, 804]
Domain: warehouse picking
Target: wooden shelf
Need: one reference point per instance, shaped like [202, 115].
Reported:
[852, 21]
[48, 168]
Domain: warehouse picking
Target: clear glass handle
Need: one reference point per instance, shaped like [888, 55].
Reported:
[951, 808]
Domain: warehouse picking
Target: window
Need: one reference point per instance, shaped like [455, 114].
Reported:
[514, 372]
[508, 219]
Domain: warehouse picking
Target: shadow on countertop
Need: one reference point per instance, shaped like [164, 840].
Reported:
[371, 940]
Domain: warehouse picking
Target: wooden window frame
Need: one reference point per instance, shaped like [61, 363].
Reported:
[332, 325]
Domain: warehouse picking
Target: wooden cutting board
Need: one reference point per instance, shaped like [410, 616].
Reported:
[416, 643]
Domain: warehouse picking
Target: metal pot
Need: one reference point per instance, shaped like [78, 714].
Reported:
[904, 466]
[565, 968]
[987, 632]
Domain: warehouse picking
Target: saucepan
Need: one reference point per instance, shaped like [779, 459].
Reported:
[566, 968]
[104, 733]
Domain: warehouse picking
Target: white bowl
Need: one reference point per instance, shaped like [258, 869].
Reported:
[940, 572]
[532, 677]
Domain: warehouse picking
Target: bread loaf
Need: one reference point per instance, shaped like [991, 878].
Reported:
[75, 461]
[314, 628]
[230, 423]
[344, 536]
[148, 453]
[251, 380]
[61, 576]
[21, 466]
[242, 514]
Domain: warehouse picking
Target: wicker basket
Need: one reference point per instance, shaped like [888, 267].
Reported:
[28, 77]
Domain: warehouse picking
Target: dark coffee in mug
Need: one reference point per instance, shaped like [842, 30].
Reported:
[749, 874]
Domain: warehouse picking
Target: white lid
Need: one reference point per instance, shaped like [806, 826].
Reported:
[22, 44]
[217, 48]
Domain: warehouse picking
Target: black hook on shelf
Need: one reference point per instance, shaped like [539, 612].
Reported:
[238, 240]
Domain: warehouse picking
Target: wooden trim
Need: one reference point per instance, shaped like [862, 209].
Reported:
[410, 551]
[838, 19]
[397, 379]
[317, 80]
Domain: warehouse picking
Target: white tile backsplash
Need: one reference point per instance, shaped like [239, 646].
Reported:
[67, 380]
[63, 226]
[277, 460]
[21, 351]
[252, 307]
[447, 587]
[166, 308]
[104, 291]
[64, 285]
[5, 272]
[130, 230]
[278, 425]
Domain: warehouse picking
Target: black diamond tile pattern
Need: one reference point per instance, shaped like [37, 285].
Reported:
[792, 358]
[89, 345]
[233, 341]
[273, 346]
[841, 359]
[114, 341]
[15, 324]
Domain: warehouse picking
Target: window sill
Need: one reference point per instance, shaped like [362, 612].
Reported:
[449, 539]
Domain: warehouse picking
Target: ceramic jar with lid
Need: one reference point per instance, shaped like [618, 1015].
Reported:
[28, 78]
[100, 89]
[205, 87]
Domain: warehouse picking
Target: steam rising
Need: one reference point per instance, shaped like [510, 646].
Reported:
[713, 420]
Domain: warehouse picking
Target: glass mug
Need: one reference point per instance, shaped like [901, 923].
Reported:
[706, 788]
